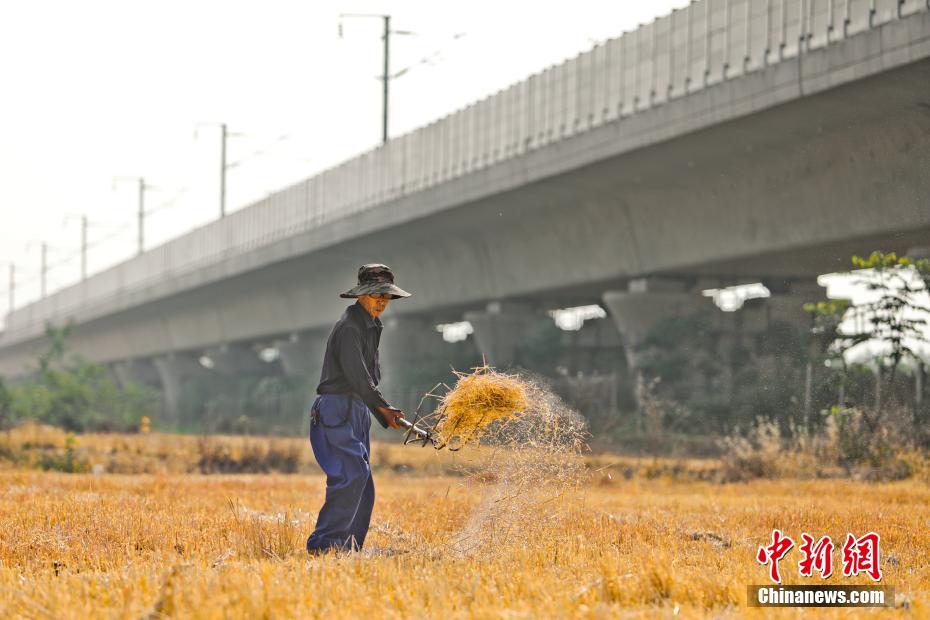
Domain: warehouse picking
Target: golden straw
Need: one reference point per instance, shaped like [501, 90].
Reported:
[475, 402]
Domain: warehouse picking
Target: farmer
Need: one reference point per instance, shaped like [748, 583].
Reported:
[339, 422]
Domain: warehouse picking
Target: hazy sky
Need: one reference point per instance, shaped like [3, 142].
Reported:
[98, 89]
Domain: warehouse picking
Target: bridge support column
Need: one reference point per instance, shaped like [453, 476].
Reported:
[237, 359]
[412, 353]
[136, 371]
[501, 328]
[918, 252]
[787, 303]
[174, 370]
[407, 339]
[646, 302]
[301, 355]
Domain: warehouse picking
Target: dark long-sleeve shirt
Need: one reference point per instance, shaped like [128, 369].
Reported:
[351, 365]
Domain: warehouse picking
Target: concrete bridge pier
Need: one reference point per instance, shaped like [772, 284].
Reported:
[650, 300]
[141, 371]
[411, 352]
[408, 339]
[237, 360]
[301, 355]
[787, 305]
[174, 370]
[638, 309]
[500, 328]
[787, 302]
[646, 302]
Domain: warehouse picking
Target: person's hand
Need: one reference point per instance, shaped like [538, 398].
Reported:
[391, 416]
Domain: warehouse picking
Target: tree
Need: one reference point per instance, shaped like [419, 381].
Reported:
[57, 345]
[896, 319]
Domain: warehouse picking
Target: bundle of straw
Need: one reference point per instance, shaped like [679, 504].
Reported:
[475, 402]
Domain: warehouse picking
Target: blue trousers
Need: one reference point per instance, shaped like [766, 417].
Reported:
[339, 436]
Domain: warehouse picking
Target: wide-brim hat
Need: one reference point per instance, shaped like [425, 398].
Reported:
[375, 279]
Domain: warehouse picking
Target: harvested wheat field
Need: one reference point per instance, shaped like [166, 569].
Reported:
[220, 546]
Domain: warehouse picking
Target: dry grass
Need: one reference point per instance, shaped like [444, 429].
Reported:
[189, 546]
[525, 525]
[532, 529]
[29, 446]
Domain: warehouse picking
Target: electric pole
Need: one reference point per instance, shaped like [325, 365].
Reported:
[43, 265]
[224, 166]
[386, 78]
[83, 247]
[222, 170]
[386, 72]
[141, 209]
[43, 278]
[84, 225]
[141, 215]
[12, 286]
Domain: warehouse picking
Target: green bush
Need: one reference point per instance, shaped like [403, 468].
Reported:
[67, 462]
[74, 394]
[6, 405]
